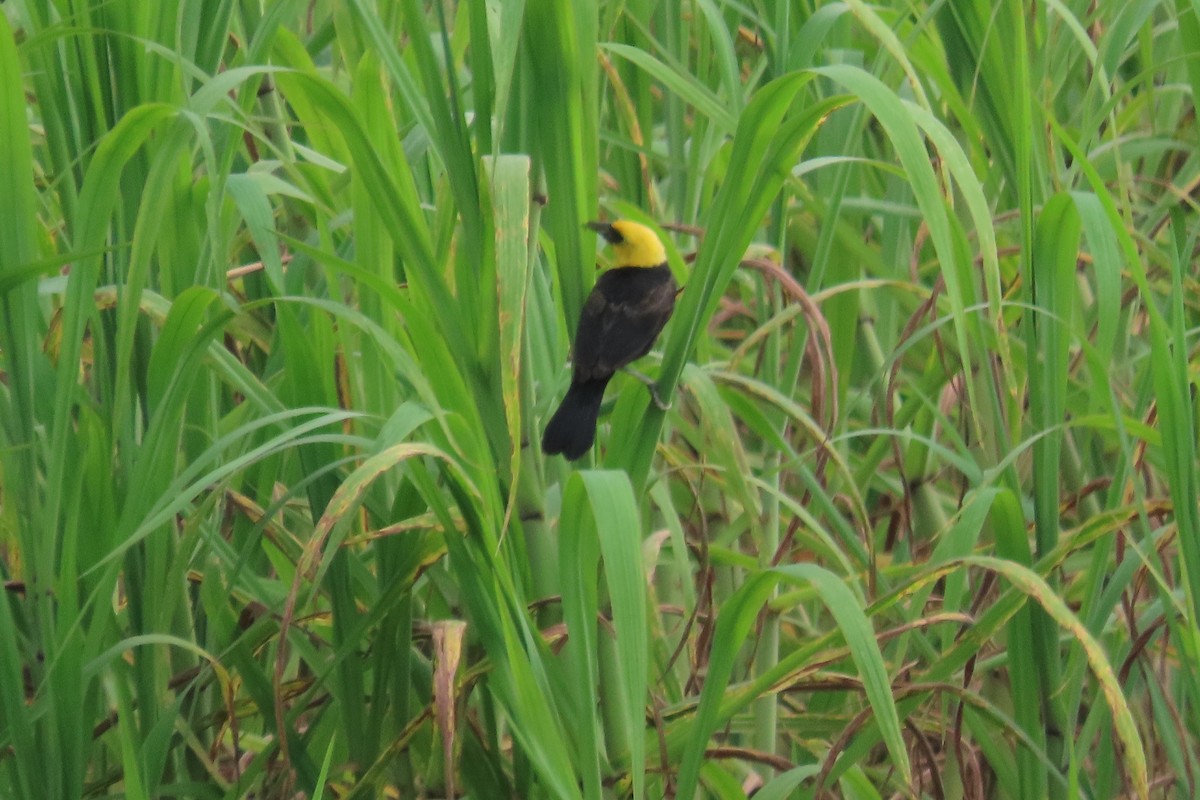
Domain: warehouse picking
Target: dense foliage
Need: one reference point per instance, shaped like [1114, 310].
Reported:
[285, 299]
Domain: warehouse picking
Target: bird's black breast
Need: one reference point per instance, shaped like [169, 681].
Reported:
[622, 317]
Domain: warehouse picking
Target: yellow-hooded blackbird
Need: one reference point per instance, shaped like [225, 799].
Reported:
[622, 317]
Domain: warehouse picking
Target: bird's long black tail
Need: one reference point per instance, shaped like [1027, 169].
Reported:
[572, 429]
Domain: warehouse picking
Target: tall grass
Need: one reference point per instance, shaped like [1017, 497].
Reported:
[288, 292]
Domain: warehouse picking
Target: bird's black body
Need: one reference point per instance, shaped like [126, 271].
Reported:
[622, 317]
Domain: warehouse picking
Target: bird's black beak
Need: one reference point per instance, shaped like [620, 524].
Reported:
[610, 234]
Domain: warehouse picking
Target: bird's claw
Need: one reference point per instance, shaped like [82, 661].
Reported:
[652, 386]
[658, 401]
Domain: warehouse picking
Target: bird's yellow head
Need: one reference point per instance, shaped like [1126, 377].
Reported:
[634, 244]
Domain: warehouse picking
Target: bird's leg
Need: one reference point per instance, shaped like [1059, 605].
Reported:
[651, 385]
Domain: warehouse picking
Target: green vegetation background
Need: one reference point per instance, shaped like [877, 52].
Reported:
[286, 295]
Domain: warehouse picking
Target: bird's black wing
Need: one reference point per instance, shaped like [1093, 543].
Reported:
[622, 317]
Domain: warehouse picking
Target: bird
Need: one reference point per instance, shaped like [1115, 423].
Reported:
[620, 321]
